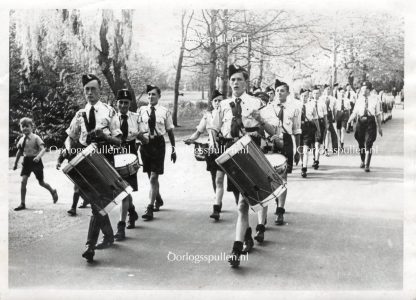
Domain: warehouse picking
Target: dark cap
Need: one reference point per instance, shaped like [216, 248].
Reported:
[368, 85]
[232, 69]
[278, 83]
[150, 87]
[303, 91]
[316, 87]
[89, 77]
[216, 94]
[326, 86]
[124, 94]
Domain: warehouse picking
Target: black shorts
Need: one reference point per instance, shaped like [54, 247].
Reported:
[366, 132]
[212, 166]
[307, 138]
[153, 155]
[342, 118]
[30, 166]
[132, 180]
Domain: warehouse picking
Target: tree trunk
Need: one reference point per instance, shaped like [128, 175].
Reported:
[248, 63]
[224, 88]
[177, 81]
[212, 55]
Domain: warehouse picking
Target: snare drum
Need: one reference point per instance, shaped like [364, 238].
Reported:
[97, 180]
[126, 164]
[252, 173]
[279, 163]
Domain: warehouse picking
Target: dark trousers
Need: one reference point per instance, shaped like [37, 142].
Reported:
[365, 134]
[97, 223]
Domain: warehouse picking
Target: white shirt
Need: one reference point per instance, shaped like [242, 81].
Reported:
[224, 115]
[338, 103]
[373, 107]
[163, 118]
[104, 119]
[134, 125]
[291, 119]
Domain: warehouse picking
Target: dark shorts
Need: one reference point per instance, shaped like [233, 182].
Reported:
[30, 166]
[153, 155]
[342, 118]
[212, 166]
[366, 132]
[307, 138]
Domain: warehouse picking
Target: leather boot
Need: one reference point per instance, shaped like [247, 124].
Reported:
[133, 217]
[260, 229]
[216, 212]
[235, 254]
[121, 234]
[279, 216]
[158, 203]
[148, 214]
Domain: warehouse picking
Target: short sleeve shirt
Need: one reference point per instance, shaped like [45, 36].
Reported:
[223, 116]
[163, 118]
[33, 145]
[104, 119]
[134, 124]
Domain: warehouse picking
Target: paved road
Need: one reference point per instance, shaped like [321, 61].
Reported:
[343, 232]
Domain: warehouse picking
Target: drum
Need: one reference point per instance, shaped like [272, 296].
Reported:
[279, 163]
[97, 180]
[252, 173]
[126, 164]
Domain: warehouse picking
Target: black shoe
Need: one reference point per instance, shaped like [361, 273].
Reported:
[367, 169]
[279, 218]
[216, 213]
[72, 212]
[20, 207]
[133, 217]
[220, 207]
[158, 203]
[235, 254]
[89, 254]
[121, 234]
[248, 242]
[362, 165]
[303, 172]
[104, 244]
[148, 214]
[316, 164]
[260, 229]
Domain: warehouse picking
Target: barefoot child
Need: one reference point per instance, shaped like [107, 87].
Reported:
[32, 148]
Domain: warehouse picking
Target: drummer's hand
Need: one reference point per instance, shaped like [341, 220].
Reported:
[173, 155]
[58, 166]
[36, 159]
[380, 131]
[99, 134]
[297, 157]
[188, 141]
[253, 134]
[256, 115]
[274, 137]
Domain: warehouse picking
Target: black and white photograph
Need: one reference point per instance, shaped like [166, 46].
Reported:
[164, 149]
